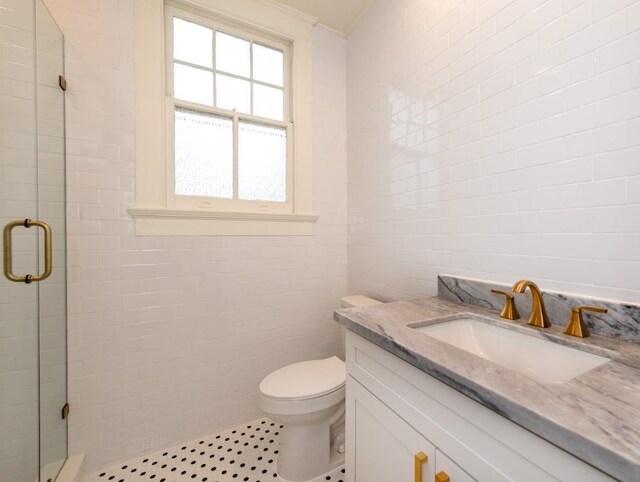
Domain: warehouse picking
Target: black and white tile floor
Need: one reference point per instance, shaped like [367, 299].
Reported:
[245, 453]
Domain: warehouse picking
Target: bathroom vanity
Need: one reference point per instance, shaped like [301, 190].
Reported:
[420, 408]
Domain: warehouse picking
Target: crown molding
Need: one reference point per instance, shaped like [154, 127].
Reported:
[310, 19]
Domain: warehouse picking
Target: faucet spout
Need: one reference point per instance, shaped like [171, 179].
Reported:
[538, 316]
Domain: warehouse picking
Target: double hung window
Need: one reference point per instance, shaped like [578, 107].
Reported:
[224, 124]
[229, 117]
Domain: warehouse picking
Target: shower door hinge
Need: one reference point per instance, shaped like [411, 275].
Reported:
[65, 411]
[62, 82]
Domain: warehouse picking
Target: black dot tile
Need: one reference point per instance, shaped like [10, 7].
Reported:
[214, 454]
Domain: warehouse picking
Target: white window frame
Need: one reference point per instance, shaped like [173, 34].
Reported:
[229, 205]
[158, 210]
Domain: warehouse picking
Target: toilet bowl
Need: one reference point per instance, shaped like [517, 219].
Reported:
[307, 398]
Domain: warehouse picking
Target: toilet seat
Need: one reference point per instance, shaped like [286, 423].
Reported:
[305, 380]
[304, 388]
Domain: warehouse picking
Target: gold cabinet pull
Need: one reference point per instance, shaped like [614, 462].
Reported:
[418, 461]
[8, 251]
[442, 477]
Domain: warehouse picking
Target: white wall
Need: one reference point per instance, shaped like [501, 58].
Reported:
[170, 336]
[495, 139]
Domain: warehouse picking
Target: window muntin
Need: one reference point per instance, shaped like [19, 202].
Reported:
[224, 74]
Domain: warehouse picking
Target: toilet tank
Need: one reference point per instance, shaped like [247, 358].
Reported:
[358, 300]
[352, 302]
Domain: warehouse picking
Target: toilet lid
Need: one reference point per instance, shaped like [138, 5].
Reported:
[308, 379]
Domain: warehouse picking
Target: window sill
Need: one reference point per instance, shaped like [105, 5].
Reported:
[174, 222]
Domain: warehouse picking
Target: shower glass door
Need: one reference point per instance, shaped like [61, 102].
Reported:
[33, 366]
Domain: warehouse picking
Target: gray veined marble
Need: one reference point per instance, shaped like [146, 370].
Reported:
[595, 416]
[622, 321]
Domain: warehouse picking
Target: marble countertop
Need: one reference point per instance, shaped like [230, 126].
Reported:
[595, 416]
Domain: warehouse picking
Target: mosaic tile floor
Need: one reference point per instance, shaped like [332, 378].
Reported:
[244, 453]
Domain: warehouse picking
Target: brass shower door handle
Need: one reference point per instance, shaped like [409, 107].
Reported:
[8, 251]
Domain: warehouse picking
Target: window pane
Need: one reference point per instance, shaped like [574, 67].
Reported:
[233, 94]
[232, 54]
[203, 154]
[262, 162]
[268, 65]
[193, 85]
[192, 43]
[268, 102]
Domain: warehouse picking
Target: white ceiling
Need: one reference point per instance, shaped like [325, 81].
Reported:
[340, 15]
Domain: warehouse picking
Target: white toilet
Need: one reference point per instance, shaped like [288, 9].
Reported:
[308, 399]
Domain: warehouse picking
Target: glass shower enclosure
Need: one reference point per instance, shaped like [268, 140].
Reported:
[33, 365]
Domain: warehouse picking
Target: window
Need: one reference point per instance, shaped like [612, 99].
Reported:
[237, 128]
[231, 121]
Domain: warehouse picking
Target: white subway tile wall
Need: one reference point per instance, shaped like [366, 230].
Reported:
[495, 139]
[18, 200]
[170, 336]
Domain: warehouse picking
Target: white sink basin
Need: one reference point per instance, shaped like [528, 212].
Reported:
[543, 360]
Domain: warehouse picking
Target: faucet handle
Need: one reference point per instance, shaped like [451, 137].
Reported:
[509, 311]
[577, 326]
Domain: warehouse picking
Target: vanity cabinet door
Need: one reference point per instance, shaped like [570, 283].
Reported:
[446, 466]
[384, 447]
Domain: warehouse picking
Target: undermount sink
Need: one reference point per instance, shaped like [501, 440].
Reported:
[543, 360]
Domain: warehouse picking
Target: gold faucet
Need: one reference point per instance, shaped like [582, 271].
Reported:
[538, 316]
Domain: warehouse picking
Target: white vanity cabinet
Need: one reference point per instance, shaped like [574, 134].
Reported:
[396, 412]
[387, 447]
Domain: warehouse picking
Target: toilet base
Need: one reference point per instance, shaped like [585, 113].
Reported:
[307, 449]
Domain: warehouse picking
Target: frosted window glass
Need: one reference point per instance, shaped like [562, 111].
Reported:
[262, 162]
[233, 94]
[268, 65]
[203, 154]
[193, 85]
[268, 102]
[192, 43]
[232, 54]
